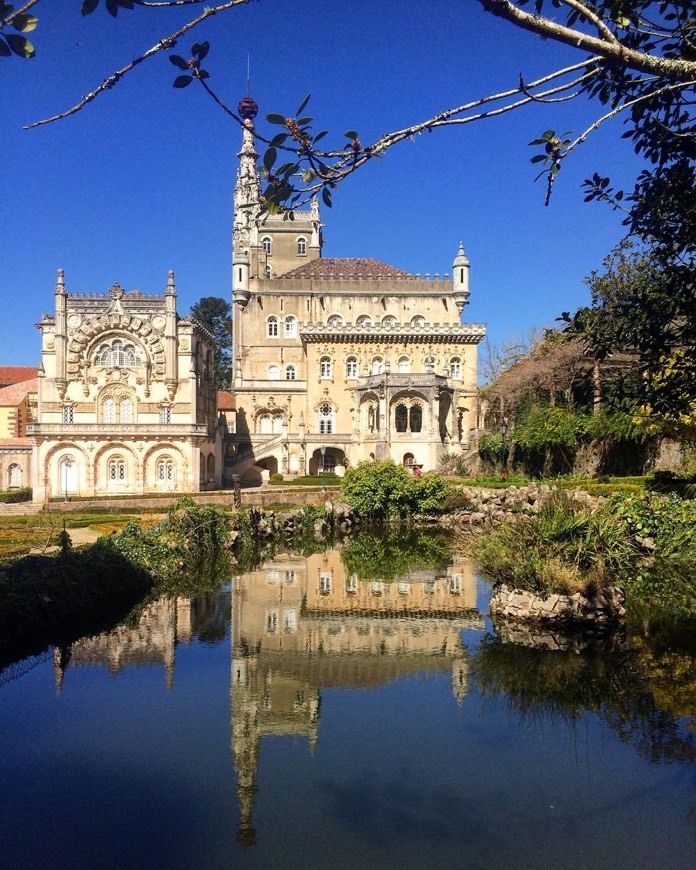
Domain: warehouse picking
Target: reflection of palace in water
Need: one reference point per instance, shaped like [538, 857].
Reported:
[303, 624]
[150, 642]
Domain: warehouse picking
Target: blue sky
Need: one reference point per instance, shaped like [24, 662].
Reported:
[141, 180]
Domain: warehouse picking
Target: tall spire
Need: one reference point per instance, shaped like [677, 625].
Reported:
[247, 190]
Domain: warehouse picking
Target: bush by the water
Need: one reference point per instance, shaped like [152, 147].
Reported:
[643, 543]
[383, 489]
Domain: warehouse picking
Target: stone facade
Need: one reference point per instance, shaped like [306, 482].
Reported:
[17, 411]
[126, 398]
[341, 360]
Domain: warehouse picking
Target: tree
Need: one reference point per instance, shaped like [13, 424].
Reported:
[216, 315]
[639, 305]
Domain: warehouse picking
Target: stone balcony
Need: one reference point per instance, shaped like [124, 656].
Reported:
[111, 430]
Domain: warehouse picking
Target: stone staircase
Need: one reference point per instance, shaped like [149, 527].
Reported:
[22, 509]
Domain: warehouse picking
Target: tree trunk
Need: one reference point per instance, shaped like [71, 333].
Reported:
[596, 387]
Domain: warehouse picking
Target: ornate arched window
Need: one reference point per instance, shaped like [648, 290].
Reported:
[378, 365]
[409, 460]
[364, 320]
[165, 471]
[415, 418]
[274, 372]
[401, 418]
[301, 247]
[272, 326]
[290, 327]
[290, 373]
[14, 476]
[116, 471]
[418, 320]
[125, 411]
[325, 368]
[351, 368]
[118, 354]
[404, 365]
[109, 410]
[456, 368]
[429, 364]
[267, 245]
[277, 423]
[335, 320]
[325, 418]
[265, 424]
[389, 320]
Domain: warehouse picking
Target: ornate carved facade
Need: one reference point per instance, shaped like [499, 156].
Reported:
[126, 399]
[341, 360]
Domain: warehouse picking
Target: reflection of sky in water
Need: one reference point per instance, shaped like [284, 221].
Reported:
[393, 767]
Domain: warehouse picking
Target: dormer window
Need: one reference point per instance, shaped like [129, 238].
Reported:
[335, 320]
[302, 247]
[267, 245]
[364, 320]
[418, 320]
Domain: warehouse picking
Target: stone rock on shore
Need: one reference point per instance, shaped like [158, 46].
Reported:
[521, 606]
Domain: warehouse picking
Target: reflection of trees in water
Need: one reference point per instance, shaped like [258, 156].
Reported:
[624, 689]
[386, 553]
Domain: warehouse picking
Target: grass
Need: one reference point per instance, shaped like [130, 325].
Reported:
[19, 535]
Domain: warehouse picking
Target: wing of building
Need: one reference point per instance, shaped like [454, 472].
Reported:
[340, 360]
[126, 398]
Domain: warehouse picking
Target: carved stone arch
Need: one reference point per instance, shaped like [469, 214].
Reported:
[166, 446]
[65, 445]
[100, 328]
[115, 445]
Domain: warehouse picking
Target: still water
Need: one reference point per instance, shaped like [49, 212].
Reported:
[308, 716]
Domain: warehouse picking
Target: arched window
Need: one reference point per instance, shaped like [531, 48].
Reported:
[272, 326]
[109, 411]
[416, 418]
[290, 327]
[274, 373]
[290, 373]
[267, 244]
[404, 365]
[409, 460]
[269, 271]
[165, 471]
[429, 364]
[335, 320]
[116, 471]
[364, 320]
[351, 368]
[265, 424]
[389, 320]
[456, 368]
[125, 411]
[301, 247]
[325, 419]
[325, 368]
[401, 418]
[277, 423]
[116, 354]
[14, 476]
[418, 320]
[378, 366]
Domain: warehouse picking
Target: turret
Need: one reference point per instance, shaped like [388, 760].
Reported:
[460, 279]
[240, 278]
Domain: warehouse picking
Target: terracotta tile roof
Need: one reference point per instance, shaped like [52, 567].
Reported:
[15, 442]
[346, 267]
[11, 396]
[15, 374]
[225, 401]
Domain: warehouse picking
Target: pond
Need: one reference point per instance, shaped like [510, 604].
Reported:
[310, 714]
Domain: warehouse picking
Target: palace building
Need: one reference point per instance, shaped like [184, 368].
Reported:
[126, 398]
[340, 360]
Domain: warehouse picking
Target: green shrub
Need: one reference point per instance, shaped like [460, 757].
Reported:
[276, 478]
[14, 496]
[384, 489]
[492, 448]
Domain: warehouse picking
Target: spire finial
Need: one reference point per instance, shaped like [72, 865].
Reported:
[171, 289]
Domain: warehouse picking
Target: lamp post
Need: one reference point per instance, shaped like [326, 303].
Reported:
[67, 465]
[322, 450]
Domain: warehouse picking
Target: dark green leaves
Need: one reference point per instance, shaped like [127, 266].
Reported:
[276, 119]
[10, 43]
[112, 6]
[193, 66]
